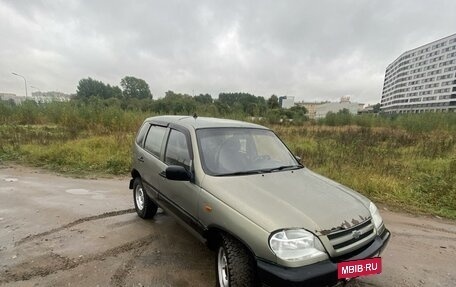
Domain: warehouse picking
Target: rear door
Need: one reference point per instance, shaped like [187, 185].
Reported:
[150, 160]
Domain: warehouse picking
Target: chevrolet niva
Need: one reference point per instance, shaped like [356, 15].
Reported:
[238, 188]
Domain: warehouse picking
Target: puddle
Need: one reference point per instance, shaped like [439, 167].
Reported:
[10, 179]
[78, 191]
[97, 194]
[101, 191]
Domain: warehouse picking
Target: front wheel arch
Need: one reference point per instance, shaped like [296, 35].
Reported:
[212, 236]
[234, 264]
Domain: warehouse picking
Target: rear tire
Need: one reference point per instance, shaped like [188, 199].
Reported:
[145, 208]
[234, 266]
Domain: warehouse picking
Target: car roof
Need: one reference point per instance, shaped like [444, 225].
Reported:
[202, 122]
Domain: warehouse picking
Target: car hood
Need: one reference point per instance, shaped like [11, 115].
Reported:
[291, 199]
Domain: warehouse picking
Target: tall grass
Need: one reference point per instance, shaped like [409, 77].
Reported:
[413, 171]
[406, 161]
[70, 137]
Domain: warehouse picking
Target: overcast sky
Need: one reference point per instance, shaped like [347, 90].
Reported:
[312, 50]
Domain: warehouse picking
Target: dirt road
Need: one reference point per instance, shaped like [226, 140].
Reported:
[61, 231]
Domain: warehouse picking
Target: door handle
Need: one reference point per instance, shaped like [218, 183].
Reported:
[141, 159]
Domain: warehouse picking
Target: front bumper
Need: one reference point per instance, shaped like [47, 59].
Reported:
[322, 273]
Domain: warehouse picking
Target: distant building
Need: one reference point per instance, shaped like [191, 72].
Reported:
[323, 109]
[38, 97]
[13, 97]
[47, 97]
[286, 102]
[311, 108]
[422, 79]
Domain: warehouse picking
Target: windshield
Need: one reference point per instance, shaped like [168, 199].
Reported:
[232, 151]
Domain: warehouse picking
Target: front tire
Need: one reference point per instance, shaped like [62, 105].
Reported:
[234, 265]
[145, 208]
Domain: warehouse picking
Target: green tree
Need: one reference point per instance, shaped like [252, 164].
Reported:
[376, 108]
[341, 118]
[175, 103]
[298, 113]
[243, 103]
[273, 102]
[115, 92]
[222, 108]
[204, 99]
[89, 87]
[135, 88]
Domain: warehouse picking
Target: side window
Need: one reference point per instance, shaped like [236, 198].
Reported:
[154, 140]
[177, 151]
[142, 134]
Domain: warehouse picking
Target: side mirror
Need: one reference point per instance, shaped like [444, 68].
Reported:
[176, 172]
[298, 158]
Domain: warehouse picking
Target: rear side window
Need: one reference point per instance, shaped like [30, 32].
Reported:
[177, 151]
[142, 134]
[154, 140]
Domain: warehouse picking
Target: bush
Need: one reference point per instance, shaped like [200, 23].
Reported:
[408, 161]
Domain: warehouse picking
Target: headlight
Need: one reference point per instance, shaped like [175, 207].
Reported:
[296, 244]
[376, 218]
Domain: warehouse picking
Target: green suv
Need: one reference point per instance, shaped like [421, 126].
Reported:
[269, 219]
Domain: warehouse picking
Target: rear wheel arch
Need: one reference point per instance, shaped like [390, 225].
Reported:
[144, 206]
[135, 173]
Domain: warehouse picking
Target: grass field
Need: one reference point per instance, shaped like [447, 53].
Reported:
[407, 162]
[413, 172]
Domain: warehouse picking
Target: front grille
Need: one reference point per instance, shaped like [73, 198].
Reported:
[347, 240]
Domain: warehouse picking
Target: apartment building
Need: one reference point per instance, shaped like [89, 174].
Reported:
[286, 102]
[11, 97]
[344, 104]
[47, 97]
[422, 79]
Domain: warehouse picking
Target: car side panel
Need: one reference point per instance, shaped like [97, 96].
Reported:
[215, 213]
[181, 199]
[150, 173]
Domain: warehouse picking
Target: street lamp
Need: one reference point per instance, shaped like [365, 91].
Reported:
[25, 81]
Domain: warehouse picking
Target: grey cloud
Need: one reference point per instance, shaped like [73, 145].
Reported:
[313, 50]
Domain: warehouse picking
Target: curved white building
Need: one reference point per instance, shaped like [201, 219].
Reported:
[422, 79]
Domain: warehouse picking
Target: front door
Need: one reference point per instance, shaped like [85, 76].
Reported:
[181, 196]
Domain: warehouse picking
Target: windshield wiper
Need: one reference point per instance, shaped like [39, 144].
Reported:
[265, 170]
[256, 171]
[286, 167]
